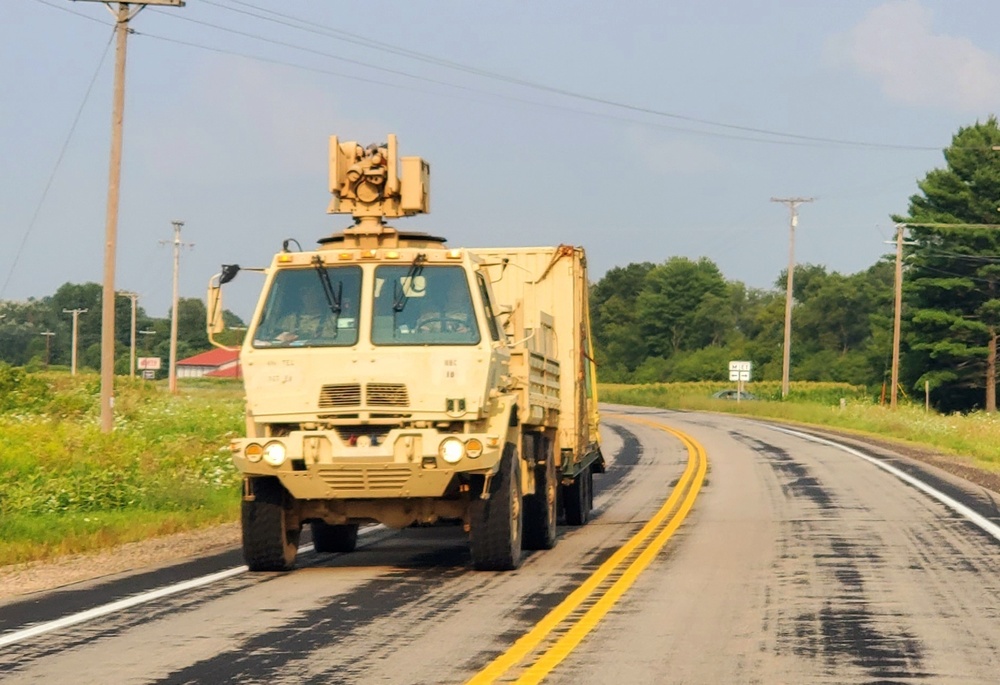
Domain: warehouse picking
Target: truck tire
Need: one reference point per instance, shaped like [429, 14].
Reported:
[270, 542]
[578, 498]
[328, 538]
[540, 508]
[496, 524]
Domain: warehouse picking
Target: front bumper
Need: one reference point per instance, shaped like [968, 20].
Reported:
[402, 463]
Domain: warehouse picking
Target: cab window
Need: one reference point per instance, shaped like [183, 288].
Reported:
[423, 305]
[311, 308]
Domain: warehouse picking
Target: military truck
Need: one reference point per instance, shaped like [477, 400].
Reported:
[392, 378]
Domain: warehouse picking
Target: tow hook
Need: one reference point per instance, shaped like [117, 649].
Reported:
[248, 495]
[486, 487]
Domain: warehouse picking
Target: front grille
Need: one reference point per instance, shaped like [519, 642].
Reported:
[386, 395]
[356, 479]
[350, 434]
[342, 395]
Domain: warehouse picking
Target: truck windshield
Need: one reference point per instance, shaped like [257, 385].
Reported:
[300, 312]
[429, 305]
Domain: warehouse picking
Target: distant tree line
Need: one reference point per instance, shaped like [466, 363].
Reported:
[682, 320]
[25, 329]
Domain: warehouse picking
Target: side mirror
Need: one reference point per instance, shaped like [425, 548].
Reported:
[228, 273]
[214, 306]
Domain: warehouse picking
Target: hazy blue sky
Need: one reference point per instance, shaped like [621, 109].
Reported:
[544, 123]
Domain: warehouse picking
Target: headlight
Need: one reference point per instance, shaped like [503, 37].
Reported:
[473, 448]
[274, 453]
[452, 450]
[253, 452]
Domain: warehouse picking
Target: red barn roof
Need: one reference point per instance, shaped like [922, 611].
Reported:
[216, 357]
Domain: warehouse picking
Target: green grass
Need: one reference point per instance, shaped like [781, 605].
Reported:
[45, 536]
[974, 438]
[67, 487]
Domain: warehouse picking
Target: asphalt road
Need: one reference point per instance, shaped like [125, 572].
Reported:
[799, 562]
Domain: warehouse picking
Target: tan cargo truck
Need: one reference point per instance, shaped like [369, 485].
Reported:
[391, 378]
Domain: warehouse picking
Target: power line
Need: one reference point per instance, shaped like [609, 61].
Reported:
[543, 105]
[359, 40]
[348, 60]
[553, 106]
[800, 139]
[69, 11]
[59, 159]
[980, 279]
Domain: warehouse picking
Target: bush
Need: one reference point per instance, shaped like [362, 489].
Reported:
[21, 391]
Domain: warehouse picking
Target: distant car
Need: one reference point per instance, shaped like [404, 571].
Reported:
[732, 395]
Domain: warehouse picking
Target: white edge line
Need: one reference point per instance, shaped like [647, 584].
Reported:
[96, 612]
[957, 506]
[129, 602]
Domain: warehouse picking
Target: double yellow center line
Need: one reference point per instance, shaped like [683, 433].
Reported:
[553, 638]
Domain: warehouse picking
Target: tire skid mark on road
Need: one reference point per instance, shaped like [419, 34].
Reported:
[836, 620]
[534, 655]
[840, 624]
[797, 480]
[119, 616]
[113, 624]
[169, 595]
[311, 644]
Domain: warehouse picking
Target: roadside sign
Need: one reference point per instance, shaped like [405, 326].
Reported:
[149, 374]
[151, 363]
[740, 370]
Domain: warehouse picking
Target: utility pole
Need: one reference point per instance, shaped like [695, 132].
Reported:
[793, 203]
[122, 18]
[48, 346]
[131, 357]
[897, 316]
[76, 316]
[173, 309]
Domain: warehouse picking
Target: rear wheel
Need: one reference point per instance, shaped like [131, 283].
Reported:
[578, 498]
[328, 538]
[540, 508]
[270, 539]
[496, 523]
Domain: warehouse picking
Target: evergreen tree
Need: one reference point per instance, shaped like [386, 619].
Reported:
[952, 280]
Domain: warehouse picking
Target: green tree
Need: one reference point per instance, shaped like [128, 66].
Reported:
[673, 306]
[618, 342]
[952, 281]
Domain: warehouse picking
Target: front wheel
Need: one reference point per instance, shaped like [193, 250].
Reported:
[270, 538]
[328, 538]
[496, 524]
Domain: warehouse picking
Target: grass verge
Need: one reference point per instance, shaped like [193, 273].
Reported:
[972, 438]
[67, 487]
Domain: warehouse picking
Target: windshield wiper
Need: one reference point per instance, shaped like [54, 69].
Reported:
[333, 299]
[401, 297]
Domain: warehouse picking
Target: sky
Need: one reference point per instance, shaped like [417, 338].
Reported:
[638, 130]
